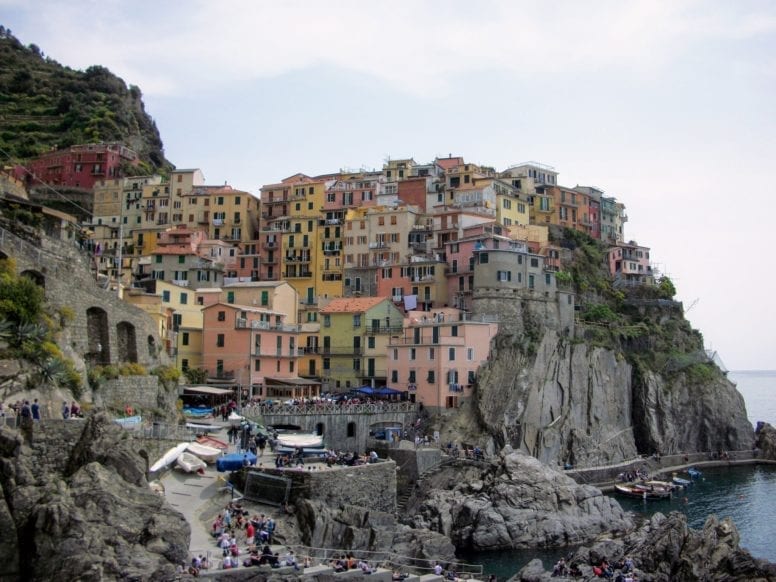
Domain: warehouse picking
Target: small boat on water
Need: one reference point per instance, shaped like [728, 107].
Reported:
[206, 453]
[694, 473]
[190, 462]
[212, 442]
[203, 428]
[659, 484]
[169, 457]
[681, 482]
[641, 493]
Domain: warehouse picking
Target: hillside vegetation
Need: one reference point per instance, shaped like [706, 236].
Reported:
[44, 105]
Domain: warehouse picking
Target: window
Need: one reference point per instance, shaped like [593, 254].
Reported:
[370, 342]
[394, 376]
[454, 330]
[470, 354]
[412, 354]
[451, 354]
[380, 220]
[165, 296]
[411, 378]
[327, 363]
[230, 297]
[185, 338]
[220, 340]
[530, 281]
[483, 258]
[356, 364]
[222, 316]
[431, 353]
[534, 262]
[264, 298]
[470, 379]
[357, 320]
[185, 364]
[257, 366]
[351, 429]
[547, 279]
[503, 276]
[327, 321]
[431, 377]
[184, 298]
[158, 258]
[395, 354]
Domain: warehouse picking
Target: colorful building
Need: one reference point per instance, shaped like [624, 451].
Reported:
[629, 264]
[437, 356]
[354, 337]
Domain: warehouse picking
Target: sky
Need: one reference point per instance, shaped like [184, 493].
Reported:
[668, 105]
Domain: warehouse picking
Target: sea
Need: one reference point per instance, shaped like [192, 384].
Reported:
[745, 494]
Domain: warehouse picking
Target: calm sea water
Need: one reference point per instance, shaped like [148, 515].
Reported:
[744, 493]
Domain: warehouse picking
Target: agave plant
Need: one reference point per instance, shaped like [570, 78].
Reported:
[30, 332]
[52, 369]
[7, 330]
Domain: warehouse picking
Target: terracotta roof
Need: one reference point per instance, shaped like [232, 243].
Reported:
[447, 163]
[352, 304]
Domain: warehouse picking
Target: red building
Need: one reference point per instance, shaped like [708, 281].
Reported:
[78, 166]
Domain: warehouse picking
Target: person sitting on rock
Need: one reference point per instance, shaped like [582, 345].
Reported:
[627, 565]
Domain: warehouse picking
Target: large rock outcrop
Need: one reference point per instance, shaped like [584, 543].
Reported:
[569, 402]
[76, 506]
[359, 528]
[766, 440]
[515, 501]
[666, 549]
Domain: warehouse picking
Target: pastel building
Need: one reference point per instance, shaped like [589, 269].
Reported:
[354, 336]
[512, 266]
[437, 355]
[629, 264]
[254, 348]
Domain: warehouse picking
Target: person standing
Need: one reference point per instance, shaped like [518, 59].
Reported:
[35, 409]
[65, 410]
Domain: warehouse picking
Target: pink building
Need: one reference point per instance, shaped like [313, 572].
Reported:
[78, 166]
[253, 348]
[437, 357]
[629, 262]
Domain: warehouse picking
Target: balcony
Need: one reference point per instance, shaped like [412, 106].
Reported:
[333, 221]
[392, 329]
[302, 275]
[378, 245]
[270, 245]
[267, 326]
[218, 222]
[180, 282]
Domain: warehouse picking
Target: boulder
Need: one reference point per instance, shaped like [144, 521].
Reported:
[766, 440]
[519, 502]
[665, 548]
[76, 506]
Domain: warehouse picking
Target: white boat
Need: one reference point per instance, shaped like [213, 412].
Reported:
[129, 421]
[169, 457]
[303, 440]
[190, 463]
[203, 428]
[204, 452]
[235, 419]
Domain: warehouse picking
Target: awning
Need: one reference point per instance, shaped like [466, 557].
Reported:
[290, 382]
[207, 390]
[383, 391]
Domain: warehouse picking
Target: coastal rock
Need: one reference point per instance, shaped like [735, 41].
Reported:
[567, 402]
[665, 549]
[81, 509]
[766, 440]
[522, 503]
[358, 528]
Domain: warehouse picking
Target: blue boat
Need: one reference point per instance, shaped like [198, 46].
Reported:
[694, 473]
[234, 461]
[129, 421]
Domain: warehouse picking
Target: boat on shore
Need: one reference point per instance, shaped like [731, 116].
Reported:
[694, 473]
[300, 440]
[206, 453]
[190, 462]
[169, 457]
[203, 428]
[212, 442]
[641, 493]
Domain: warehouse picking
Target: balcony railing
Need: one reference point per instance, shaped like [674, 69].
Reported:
[384, 329]
[377, 245]
[218, 222]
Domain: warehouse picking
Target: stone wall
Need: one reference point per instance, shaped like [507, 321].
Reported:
[521, 309]
[143, 393]
[335, 426]
[372, 485]
[66, 274]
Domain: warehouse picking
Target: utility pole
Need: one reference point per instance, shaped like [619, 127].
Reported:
[121, 243]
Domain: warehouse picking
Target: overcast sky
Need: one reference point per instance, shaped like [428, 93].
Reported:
[669, 106]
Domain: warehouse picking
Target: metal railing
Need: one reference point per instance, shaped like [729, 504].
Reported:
[256, 410]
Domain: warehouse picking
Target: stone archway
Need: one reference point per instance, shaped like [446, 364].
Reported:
[98, 336]
[35, 276]
[126, 342]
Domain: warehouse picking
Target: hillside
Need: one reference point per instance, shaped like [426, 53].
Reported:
[44, 105]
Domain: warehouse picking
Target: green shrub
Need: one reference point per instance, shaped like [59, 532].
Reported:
[195, 375]
[600, 313]
[132, 369]
[168, 375]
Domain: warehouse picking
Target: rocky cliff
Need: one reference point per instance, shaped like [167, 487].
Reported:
[595, 374]
[666, 549]
[514, 501]
[76, 506]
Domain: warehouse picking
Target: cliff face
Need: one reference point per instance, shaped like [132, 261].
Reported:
[566, 399]
[76, 506]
